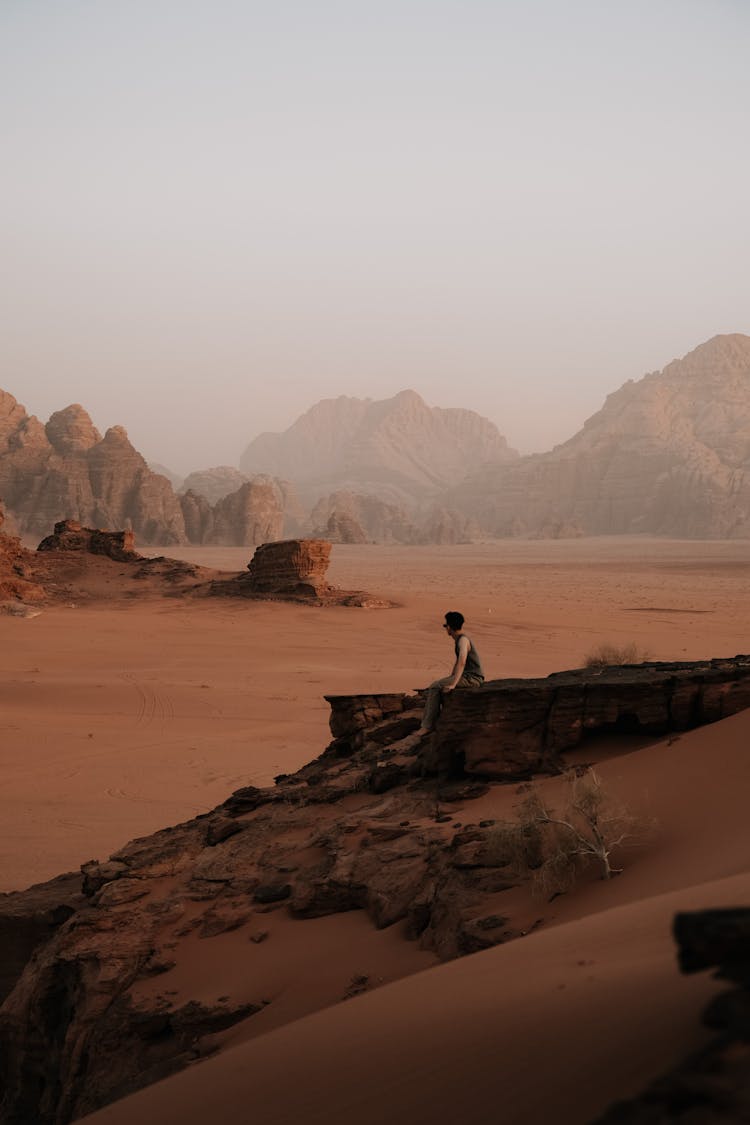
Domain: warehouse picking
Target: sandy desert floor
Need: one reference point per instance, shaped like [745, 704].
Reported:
[119, 719]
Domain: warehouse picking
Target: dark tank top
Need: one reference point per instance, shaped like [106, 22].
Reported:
[473, 666]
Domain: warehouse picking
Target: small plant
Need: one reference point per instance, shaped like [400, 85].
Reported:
[605, 655]
[555, 846]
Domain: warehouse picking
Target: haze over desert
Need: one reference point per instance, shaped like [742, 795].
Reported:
[374, 554]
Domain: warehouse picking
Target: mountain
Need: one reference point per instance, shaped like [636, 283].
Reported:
[668, 454]
[214, 483]
[66, 469]
[399, 448]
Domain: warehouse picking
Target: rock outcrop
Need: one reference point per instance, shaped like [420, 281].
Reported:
[291, 566]
[258, 511]
[66, 470]
[214, 483]
[346, 513]
[509, 729]
[667, 455]
[29, 918]
[18, 580]
[79, 1028]
[250, 516]
[712, 1085]
[399, 449]
[70, 536]
[342, 529]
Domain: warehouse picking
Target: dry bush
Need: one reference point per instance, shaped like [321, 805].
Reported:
[555, 846]
[605, 655]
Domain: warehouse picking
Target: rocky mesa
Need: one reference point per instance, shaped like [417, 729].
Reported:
[668, 454]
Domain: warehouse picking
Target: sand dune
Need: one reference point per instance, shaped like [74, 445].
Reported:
[551, 1027]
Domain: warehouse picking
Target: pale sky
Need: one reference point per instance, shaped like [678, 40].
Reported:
[215, 214]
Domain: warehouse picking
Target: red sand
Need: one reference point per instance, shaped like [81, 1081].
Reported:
[108, 733]
[120, 720]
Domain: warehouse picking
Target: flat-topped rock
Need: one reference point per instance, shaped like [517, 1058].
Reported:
[290, 566]
[516, 727]
[70, 536]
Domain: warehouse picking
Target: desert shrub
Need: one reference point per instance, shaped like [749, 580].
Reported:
[605, 655]
[517, 845]
[555, 846]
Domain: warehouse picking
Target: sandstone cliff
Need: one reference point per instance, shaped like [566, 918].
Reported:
[218, 508]
[214, 483]
[350, 517]
[18, 580]
[66, 470]
[398, 449]
[666, 455]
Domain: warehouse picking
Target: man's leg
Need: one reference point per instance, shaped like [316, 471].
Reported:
[432, 705]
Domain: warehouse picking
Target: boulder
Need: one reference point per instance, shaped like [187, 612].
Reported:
[70, 536]
[290, 566]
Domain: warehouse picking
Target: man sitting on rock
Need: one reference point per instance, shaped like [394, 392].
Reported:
[467, 671]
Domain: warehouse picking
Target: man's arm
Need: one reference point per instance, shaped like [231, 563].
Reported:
[458, 667]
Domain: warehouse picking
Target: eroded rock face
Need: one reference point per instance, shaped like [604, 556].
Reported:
[290, 566]
[67, 471]
[254, 513]
[353, 514]
[214, 483]
[666, 455]
[509, 729]
[250, 516]
[29, 918]
[71, 430]
[343, 529]
[70, 536]
[398, 449]
[18, 582]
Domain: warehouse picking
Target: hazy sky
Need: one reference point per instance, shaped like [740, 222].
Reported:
[215, 214]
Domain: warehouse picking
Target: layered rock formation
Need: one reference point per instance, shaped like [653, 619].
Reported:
[66, 470]
[70, 536]
[293, 566]
[667, 455]
[79, 1026]
[508, 729]
[253, 514]
[350, 517]
[399, 449]
[214, 483]
[18, 580]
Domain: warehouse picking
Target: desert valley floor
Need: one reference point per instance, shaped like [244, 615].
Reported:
[120, 717]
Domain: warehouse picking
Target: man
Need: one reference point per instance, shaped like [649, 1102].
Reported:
[467, 671]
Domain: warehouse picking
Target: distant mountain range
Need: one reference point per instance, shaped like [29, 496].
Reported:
[399, 448]
[668, 454]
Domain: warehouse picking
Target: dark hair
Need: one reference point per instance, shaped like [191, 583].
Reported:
[454, 620]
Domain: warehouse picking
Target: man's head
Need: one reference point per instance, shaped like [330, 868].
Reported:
[454, 622]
